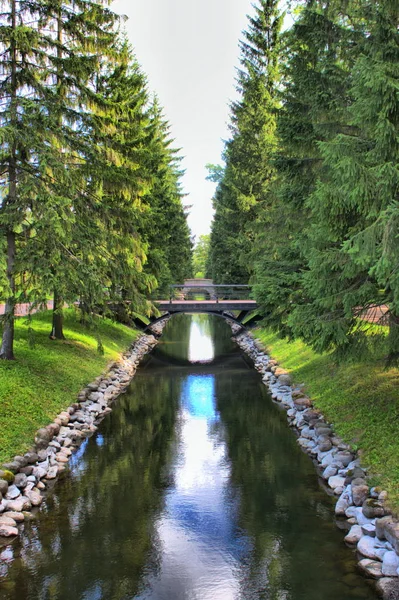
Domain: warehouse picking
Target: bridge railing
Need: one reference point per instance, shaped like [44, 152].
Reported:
[208, 292]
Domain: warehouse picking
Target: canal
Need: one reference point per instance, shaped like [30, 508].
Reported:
[193, 488]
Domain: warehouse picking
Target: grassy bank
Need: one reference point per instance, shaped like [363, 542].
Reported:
[361, 399]
[46, 378]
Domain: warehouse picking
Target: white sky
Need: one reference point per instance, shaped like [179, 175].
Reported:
[189, 51]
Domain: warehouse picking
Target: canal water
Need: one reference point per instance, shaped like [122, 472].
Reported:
[193, 488]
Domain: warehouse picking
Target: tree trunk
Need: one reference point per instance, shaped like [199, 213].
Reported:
[7, 345]
[393, 340]
[58, 318]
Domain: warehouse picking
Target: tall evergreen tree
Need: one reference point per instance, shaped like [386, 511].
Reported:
[318, 57]
[353, 256]
[249, 170]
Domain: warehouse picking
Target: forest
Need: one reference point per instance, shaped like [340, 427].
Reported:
[307, 201]
[91, 205]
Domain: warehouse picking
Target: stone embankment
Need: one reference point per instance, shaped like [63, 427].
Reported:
[361, 510]
[25, 481]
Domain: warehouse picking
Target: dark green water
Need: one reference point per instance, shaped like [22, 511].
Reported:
[192, 489]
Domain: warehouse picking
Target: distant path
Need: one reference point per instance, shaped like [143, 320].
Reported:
[22, 310]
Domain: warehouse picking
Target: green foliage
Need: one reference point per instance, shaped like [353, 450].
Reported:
[200, 255]
[244, 183]
[89, 184]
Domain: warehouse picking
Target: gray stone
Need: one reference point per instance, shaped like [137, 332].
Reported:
[31, 457]
[360, 491]
[34, 497]
[344, 458]
[373, 509]
[325, 445]
[371, 547]
[7, 531]
[330, 471]
[388, 588]
[42, 455]
[284, 379]
[361, 519]
[342, 505]
[13, 492]
[7, 521]
[368, 529]
[3, 487]
[26, 470]
[336, 481]
[39, 472]
[20, 480]
[389, 529]
[354, 535]
[12, 466]
[380, 526]
[16, 505]
[390, 564]
[16, 516]
[351, 512]
[52, 472]
[329, 459]
[371, 568]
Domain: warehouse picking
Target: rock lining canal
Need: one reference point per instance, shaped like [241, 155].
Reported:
[193, 488]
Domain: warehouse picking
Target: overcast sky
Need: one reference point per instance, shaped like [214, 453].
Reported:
[189, 51]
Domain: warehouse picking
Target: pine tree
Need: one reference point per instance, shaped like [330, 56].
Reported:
[318, 56]
[249, 171]
[354, 236]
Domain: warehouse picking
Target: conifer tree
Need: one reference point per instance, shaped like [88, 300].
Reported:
[353, 256]
[318, 56]
[249, 170]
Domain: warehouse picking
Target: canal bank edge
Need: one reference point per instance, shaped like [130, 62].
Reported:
[25, 480]
[360, 509]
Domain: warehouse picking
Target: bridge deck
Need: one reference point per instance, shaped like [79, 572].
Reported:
[205, 305]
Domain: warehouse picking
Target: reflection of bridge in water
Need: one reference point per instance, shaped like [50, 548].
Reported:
[203, 296]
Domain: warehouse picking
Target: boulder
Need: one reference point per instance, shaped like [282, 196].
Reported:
[368, 529]
[330, 471]
[390, 564]
[21, 480]
[336, 481]
[13, 492]
[7, 531]
[16, 516]
[52, 472]
[7, 521]
[324, 444]
[31, 457]
[373, 509]
[43, 437]
[380, 526]
[388, 588]
[354, 535]
[3, 487]
[371, 547]
[34, 497]
[387, 528]
[360, 491]
[371, 568]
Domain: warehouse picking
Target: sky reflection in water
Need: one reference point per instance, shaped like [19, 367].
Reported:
[196, 530]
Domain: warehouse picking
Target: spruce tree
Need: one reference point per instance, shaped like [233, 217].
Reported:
[248, 172]
[353, 253]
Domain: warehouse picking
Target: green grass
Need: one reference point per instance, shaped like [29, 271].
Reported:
[46, 378]
[361, 399]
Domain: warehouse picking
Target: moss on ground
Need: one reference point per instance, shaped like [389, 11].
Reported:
[361, 399]
[45, 378]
